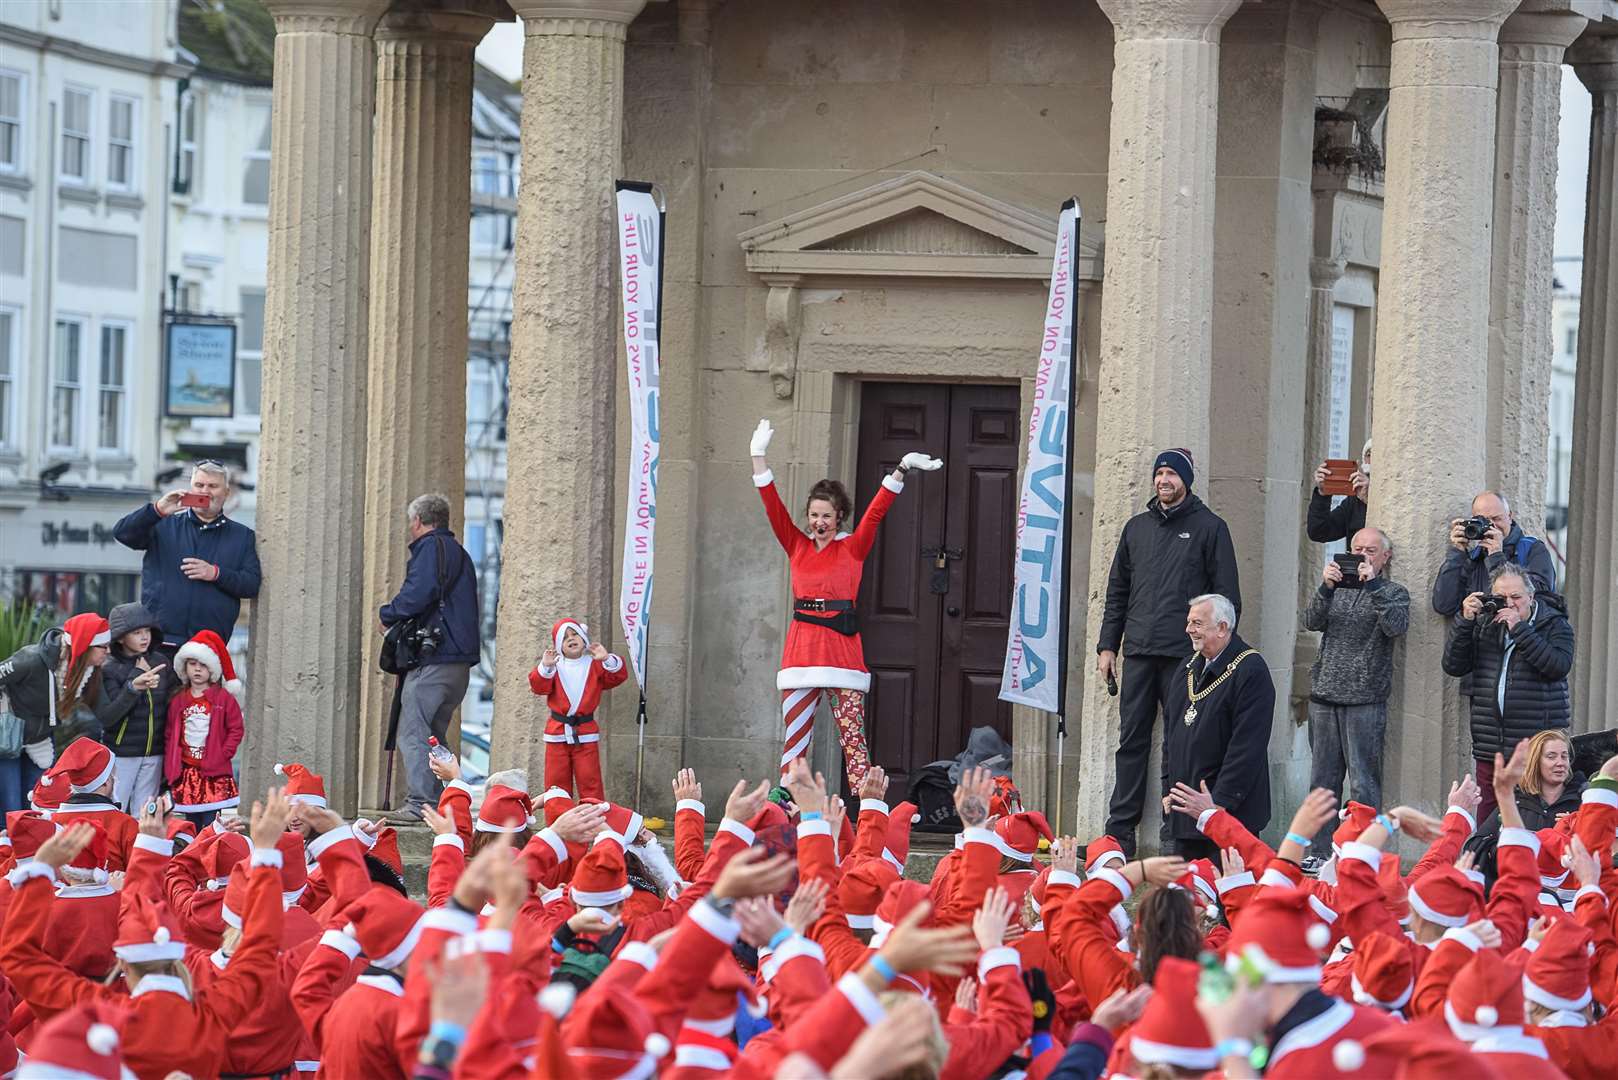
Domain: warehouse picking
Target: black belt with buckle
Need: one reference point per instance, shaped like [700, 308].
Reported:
[801, 604]
[573, 721]
[840, 614]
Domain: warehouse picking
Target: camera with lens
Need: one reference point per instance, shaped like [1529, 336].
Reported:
[1476, 527]
[1492, 606]
[424, 640]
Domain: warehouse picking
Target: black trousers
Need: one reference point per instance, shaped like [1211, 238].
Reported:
[1141, 692]
[1195, 847]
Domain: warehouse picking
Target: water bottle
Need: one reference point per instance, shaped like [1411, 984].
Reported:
[438, 752]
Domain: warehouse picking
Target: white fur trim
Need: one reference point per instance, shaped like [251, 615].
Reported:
[449, 840]
[639, 952]
[1273, 878]
[822, 678]
[1422, 908]
[406, 946]
[458, 785]
[1314, 1031]
[1116, 880]
[740, 831]
[320, 844]
[1472, 822]
[893, 485]
[600, 899]
[554, 841]
[722, 927]
[1002, 956]
[160, 984]
[1321, 909]
[30, 868]
[386, 984]
[693, 1056]
[814, 827]
[876, 806]
[101, 778]
[1356, 851]
[1061, 877]
[1590, 890]
[695, 805]
[1511, 836]
[859, 922]
[1462, 936]
[852, 987]
[1235, 881]
[157, 845]
[1364, 997]
[1600, 795]
[1541, 996]
[265, 857]
[343, 943]
[1147, 1052]
[150, 951]
[763, 479]
[1206, 816]
[195, 650]
[454, 920]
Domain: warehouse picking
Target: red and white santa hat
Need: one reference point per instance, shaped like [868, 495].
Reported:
[1170, 1031]
[1280, 932]
[1383, 975]
[505, 810]
[85, 764]
[48, 793]
[1484, 997]
[897, 902]
[26, 830]
[1101, 851]
[386, 925]
[81, 1043]
[1553, 847]
[94, 855]
[1018, 836]
[896, 847]
[147, 931]
[302, 785]
[84, 631]
[1419, 1050]
[1356, 817]
[384, 848]
[625, 822]
[1558, 972]
[861, 890]
[601, 878]
[208, 648]
[555, 802]
[179, 827]
[1200, 880]
[221, 857]
[613, 1035]
[562, 626]
[1446, 896]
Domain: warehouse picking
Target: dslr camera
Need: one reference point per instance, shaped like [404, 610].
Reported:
[425, 639]
[1492, 606]
[1475, 527]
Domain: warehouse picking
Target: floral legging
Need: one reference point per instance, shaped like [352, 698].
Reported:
[847, 710]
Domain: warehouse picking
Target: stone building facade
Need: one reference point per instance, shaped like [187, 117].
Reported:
[1291, 209]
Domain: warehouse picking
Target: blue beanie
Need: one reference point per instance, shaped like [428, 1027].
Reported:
[1178, 459]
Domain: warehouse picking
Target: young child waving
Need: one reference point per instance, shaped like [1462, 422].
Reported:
[204, 730]
[571, 675]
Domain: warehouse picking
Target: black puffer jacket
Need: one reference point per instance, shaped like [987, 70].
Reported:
[135, 720]
[1536, 695]
[25, 679]
[1164, 558]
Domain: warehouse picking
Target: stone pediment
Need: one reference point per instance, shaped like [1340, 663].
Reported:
[919, 224]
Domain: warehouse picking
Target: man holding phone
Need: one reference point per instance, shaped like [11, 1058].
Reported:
[1359, 614]
[199, 564]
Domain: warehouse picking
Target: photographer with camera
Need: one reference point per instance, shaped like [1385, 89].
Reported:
[1516, 645]
[1360, 614]
[1480, 545]
[439, 601]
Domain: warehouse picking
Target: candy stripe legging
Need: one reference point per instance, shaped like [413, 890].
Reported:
[847, 709]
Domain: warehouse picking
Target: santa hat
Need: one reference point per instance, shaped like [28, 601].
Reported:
[147, 932]
[294, 867]
[384, 848]
[1280, 933]
[1170, 1031]
[562, 626]
[49, 791]
[26, 830]
[386, 925]
[224, 851]
[1102, 850]
[896, 847]
[1446, 896]
[86, 764]
[1558, 972]
[625, 822]
[897, 902]
[302, 785]
[1484, 996]
[1356, 817]
[83, 632]
[1017, 837]
[501, 806]
[613, 1035]
[861, 890]
[208, 648]
[178, 827]
[1200, 880]
[1419, 1050]
[601, 878]
[81, 1043]
[555, 802]
[1553, 846]
[1383, 975]
[93, 856]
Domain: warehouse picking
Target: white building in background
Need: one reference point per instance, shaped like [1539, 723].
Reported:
[87, 94]
[1564, 361]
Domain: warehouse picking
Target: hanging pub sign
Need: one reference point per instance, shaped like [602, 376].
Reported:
[199, 370]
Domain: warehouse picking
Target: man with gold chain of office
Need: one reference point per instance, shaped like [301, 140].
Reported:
[1216, 721]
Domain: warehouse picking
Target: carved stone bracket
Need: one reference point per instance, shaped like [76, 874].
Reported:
[783, 321]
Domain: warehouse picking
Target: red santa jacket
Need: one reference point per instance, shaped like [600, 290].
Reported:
[552, 685]
[1304, 1050]
[120, 828]
[1584, 1053]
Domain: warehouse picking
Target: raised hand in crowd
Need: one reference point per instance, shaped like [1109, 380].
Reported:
[754, 873]
[438, 823]
[320, 819]
[966, 995]
[472, 889]
[1121, 1008]
[598, 651]
[1162, 870]
[447, 769]
[548, 658]
[893, 1046]
[875, 784]
[991, 919]
[972, 797]
[808, 789]
[807, 904]
[1318, 808]
[686, 785]
[580, 824]
[1240, 1018]
[1184, 800]
[1231, 862]
[1539, 928]
[1486, 932]
[1420, 827]
[743, 804]
[836, 813]
[759, 920]
[154, 816]
[269, 819]
[1586, 871]
[1466, 861]
[1507, 775]
[1465, 794]
[509, 889]
[591, 921]
[460, 985]
[1065, 854]
[912, 946]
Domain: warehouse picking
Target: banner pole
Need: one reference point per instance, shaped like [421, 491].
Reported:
[1067, 506]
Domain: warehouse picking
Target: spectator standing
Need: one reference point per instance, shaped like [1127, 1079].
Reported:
[199, 564]
[1518, 655]
[1174, 550]
[1470, 565]
[1353, 673]
[54, 688]
[1326, 522]
[138, 679]
[1549, 790]
[440, 591]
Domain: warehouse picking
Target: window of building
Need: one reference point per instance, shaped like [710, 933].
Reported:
[77, 108]
[11, 126]
[113, 401]
[185, 177]
[120, 142]
[1572, 341]
[256, 161]
[250, 353]
[10, 360]
[67, 383]
[490, 177]
[68, 591]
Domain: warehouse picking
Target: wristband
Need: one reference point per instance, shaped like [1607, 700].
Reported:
[780, 935]
[884, 969]
[1387, 823]
[447, 1030]
[1301, 841]
[1233, 1047]
[810, 815]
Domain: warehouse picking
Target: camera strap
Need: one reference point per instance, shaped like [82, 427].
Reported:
[444, 585]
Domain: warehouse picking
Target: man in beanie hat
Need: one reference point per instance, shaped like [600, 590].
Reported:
[1174, 550]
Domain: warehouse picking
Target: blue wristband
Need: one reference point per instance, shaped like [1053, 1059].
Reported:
[810, 815]
[884, 969]
[1387, 823]
[1039, 1042]
[780, 936]
[1301, 841]
[448, 1031]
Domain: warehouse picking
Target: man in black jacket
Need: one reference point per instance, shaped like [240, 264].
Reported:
[1176, 549]
[1325, 522]
[1216, 727]
[1517, 659]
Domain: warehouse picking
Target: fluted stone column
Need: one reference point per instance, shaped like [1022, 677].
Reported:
[1156, 302]
[1525, 134]
[559, 506]
[307, 626]
[1592, 578]
[1432, 330]
[416, 416]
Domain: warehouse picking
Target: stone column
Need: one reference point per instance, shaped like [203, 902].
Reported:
[307, 625]
[1156, 302]
[1592, 577]
[1432, 327]
[1519, 382]
[420, 204]
[559, 506]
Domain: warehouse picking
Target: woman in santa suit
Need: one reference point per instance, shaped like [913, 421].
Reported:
[822, 654]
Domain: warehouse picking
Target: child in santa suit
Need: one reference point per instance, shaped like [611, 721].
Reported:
[570, 676]
[204, 730]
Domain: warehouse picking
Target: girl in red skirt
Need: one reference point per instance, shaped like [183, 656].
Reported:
[822, 653]
[204, 730]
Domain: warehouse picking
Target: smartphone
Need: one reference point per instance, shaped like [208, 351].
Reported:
[196, 500]
[1349, 564]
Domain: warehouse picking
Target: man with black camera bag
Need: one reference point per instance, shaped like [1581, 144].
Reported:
[432, 641]
[1516, 645]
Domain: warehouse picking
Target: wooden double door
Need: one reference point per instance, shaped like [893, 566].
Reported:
[936, 598]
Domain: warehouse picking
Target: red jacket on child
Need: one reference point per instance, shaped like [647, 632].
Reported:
[224, 731]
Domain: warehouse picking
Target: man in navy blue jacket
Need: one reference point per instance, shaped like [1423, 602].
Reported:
[199, 564]
[440, 591]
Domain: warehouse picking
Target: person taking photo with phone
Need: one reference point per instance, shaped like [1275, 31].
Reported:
[199, 565]
[1359, 614]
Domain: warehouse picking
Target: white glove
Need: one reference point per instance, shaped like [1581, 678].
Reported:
[761, 438]
[918, 460]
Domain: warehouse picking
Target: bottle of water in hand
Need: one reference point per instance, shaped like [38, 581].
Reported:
[439, 752]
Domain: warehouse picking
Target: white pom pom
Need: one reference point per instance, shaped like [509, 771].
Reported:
[657, 1044]
[160, 936]
[1342, 815]
[1485, 1016]
[1348, 1055]
[1318, 936]
[557, 998]
[532, 821]
[102, 1038]
[280, 769]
